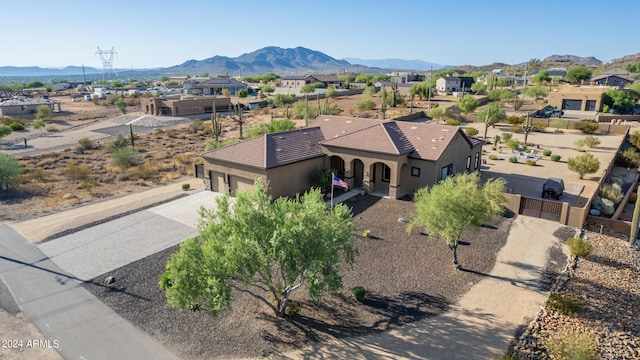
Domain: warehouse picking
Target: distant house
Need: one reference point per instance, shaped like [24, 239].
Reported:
[583, 98]
[293, 81]
[391, 158]
[212, 86]
[450, 84]
[497, 72]
[406, 77]
[297, 81]
[611, 80]
[557, 71]
[25, 105]
[183, 106]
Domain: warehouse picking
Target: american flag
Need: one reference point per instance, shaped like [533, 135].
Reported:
[339, 182]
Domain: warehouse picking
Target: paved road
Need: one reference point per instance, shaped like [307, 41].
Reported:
[68, 315]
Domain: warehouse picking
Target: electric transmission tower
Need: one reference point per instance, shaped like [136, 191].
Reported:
[106, 56]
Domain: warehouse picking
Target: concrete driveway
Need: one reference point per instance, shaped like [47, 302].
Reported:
[99, 249]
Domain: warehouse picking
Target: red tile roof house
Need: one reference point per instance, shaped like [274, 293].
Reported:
[389, 158]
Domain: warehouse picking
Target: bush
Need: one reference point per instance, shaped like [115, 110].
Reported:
[471, 131]
[555, 158]
[293, 309]
[565, 304]
[164, 282]
[587, 126]
[612, 192]
[144, 171]
[359, 293]
[125, 157]
[579, 247]
[515, 120]
[321, 177]
[605, 206]
[513, 144]
[85, 144]
[366, 104]
[493, 157]
[506, 137]
[16, 126]
[195, 125]
[538, 127]
[573, 346]
[453, 122]
[628, 158]
[591, 141]
[530, 162]
[513, 159]
[117, 143]
[186, 186]
[546, 152]
[9, 172]
[516, 129]
[77, 172]
[366, 233]
[88, 184]
[51, 128]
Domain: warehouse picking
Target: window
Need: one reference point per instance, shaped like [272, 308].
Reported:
[447, 171]
[469, 162]
[386, 173]
[415, 171]
[477, 160]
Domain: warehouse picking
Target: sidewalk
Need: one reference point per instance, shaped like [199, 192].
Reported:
[481, 324]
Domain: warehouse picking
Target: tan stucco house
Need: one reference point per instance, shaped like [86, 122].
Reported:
[25, 105]
[384, 157]
[184, 106]
[583, 98]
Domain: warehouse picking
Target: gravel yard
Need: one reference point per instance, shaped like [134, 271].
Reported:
[408, 277]
[606, 283]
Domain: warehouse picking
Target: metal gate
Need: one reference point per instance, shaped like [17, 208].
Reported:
[544, 209]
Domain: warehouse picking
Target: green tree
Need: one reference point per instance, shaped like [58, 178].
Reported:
[164, 78]
[457, 204]
[479, 88]
[535, 92]
[634, 90]
[204, 75]
[34, 84]
[308, 89]
[9, 172]
[467, 104]
[621, 101]
[439, 112]
[274, 126]
[125, 157]
[281, 100]
[421, 89]
[559, 123]
[279, 246]
[541, 78]
[242, 93]
[490, 115]
[38, 124]
[584, 164]
[512, 144]
[43, 112]
[366, 103]
[267, 89]
[578, 74]
[5, 130]
[121, 104]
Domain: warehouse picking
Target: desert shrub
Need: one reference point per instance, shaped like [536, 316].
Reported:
[186, 186]
[112, 98]
[117, 143]
[530, 162]
[493, 157]
[496, 139]
[85, 143]
[51, 128]
[195, 125]
[555, 158]
[144, 171]
[471, 131]
[184, 159]
[565, 304]
[506, 137]
[546, 152]
[579, 247]
[274, 126]
[171, 133]
[321, 177]
[612, 192]
[587, 126]
[125, 157]
[634, 139]
[579, 143]
[513, 144]
[302, 111]
[366, 104]
[35, 174]
[88, 184]
[538, 127]
[366, 233]
[515, 120]
[16, 126]
[605, 206]
[9, 172]
[74, 171]
[453, 122]
[628, 158]
[359, 293]
[513, 159]
[574, 346]
[591, 141]
[516, 129]
[293, 309]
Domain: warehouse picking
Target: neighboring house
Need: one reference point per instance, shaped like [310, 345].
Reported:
[450, 84]
[41, 91]
[25, 105]
[295, 81]
[385, 157]
[557, 71]
[611, 80]
[183, 106]
[497, 72]
[212, 86]
[583, 98]
[60, 86]
[406, 77]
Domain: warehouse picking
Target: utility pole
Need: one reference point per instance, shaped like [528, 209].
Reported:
[429, 89]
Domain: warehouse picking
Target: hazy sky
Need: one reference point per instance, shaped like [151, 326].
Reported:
[159, 33]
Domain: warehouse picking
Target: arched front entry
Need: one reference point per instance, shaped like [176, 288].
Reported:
[357, 172]
[336, 164]
[379, 178]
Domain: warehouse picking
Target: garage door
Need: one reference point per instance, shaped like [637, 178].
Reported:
[238, 183]
[591, 105]
[571, 104]
[217, 182]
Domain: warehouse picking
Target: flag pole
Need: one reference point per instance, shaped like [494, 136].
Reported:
[332, 190]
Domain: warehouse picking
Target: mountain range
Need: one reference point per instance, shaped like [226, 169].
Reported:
[397, 64]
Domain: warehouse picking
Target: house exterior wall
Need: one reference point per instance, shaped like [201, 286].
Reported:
[292, 179]
[26, 109]
[447, 85]
[177, 107]
[292, 83]
[219, 172]
[578, 93]
[612, 81]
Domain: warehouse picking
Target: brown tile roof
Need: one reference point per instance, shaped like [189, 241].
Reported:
[333, 126]
[384, 137]
[272, 150]
[600, 77]
[429, 140]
